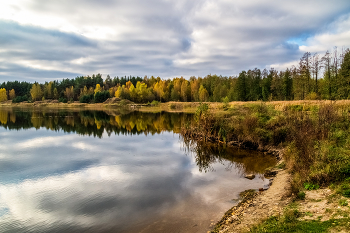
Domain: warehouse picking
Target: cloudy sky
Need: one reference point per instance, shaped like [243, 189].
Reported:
[45, 40]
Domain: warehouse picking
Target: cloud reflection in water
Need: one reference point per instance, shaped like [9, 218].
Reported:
[52, 181]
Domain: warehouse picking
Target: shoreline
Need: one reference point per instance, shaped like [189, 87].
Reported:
[257, 206]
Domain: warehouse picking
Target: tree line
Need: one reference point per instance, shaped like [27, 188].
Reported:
[315, 77]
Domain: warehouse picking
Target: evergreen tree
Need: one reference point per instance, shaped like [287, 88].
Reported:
[241, 86]
[344, 77]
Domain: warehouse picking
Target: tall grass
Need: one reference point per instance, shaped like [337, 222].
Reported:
[314, 136]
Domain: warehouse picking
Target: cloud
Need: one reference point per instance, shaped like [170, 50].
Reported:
[166, 38]
[337, 34]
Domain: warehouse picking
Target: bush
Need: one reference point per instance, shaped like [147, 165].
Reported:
[309, 186]
[226, 102]
[343, 202]
[86, 98]
[301, 195]
[101, 96]
[62, 100]
[155, 103]
[312, 96]
[346, 193]
[19, 99]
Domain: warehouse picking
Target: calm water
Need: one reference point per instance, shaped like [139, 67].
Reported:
[93, 171]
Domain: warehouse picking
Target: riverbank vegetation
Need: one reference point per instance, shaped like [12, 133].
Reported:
[313, 138]
[316, 77]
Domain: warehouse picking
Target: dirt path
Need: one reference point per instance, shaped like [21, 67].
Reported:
[260, 206]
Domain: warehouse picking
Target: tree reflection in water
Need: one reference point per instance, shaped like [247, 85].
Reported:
[243, 161]
[96, 123]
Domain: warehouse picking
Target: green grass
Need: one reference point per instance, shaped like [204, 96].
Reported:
[343, 202]
[274, 225]
[290, 222]
[309, 186]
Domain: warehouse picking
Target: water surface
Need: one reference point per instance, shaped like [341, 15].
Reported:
[95, 171]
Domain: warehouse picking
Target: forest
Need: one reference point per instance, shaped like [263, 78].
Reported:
[315, 77]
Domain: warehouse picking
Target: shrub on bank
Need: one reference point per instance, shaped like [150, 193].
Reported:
[86, 98]
[19, 99]
[101, 96]
[62, 100]
[315, 138]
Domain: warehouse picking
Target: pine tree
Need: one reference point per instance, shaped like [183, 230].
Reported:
[241, 86]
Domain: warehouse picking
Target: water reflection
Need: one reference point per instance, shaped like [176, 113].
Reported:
[244, 161]
[94, 123]
[120, 180]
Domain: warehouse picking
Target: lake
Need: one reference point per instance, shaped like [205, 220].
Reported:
[112, 171]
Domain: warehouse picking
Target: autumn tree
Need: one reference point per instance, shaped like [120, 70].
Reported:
[133, 92]
[48, 90]
[36, 92]
[194, 84]
[69, 93]
[83, 91]
[12, 94]
[203, 94]
[3, 95]
[122, 92]
[141, 92]
[184, 91]
[176, 91]
[97, 89]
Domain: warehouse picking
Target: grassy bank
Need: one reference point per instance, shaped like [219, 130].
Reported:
[314, 137]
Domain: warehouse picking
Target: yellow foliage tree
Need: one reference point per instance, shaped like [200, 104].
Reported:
[112, 90]
[36, 92]
[48, 90]
[69, 92]
[12, 94]
[133, 92]
[3, 95]
[98, 88]
[91, 91]
[118, 92]
[128, 84]
[203, 94]
[184, 90]
[141, 90]
[194, 89]
[83, 91]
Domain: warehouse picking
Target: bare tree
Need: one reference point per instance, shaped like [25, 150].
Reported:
[304, 71]
[326, 60]
[316, 66]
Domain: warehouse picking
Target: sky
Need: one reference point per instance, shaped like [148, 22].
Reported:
[43, 40]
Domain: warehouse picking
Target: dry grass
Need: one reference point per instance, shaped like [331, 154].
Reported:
[313, 134]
